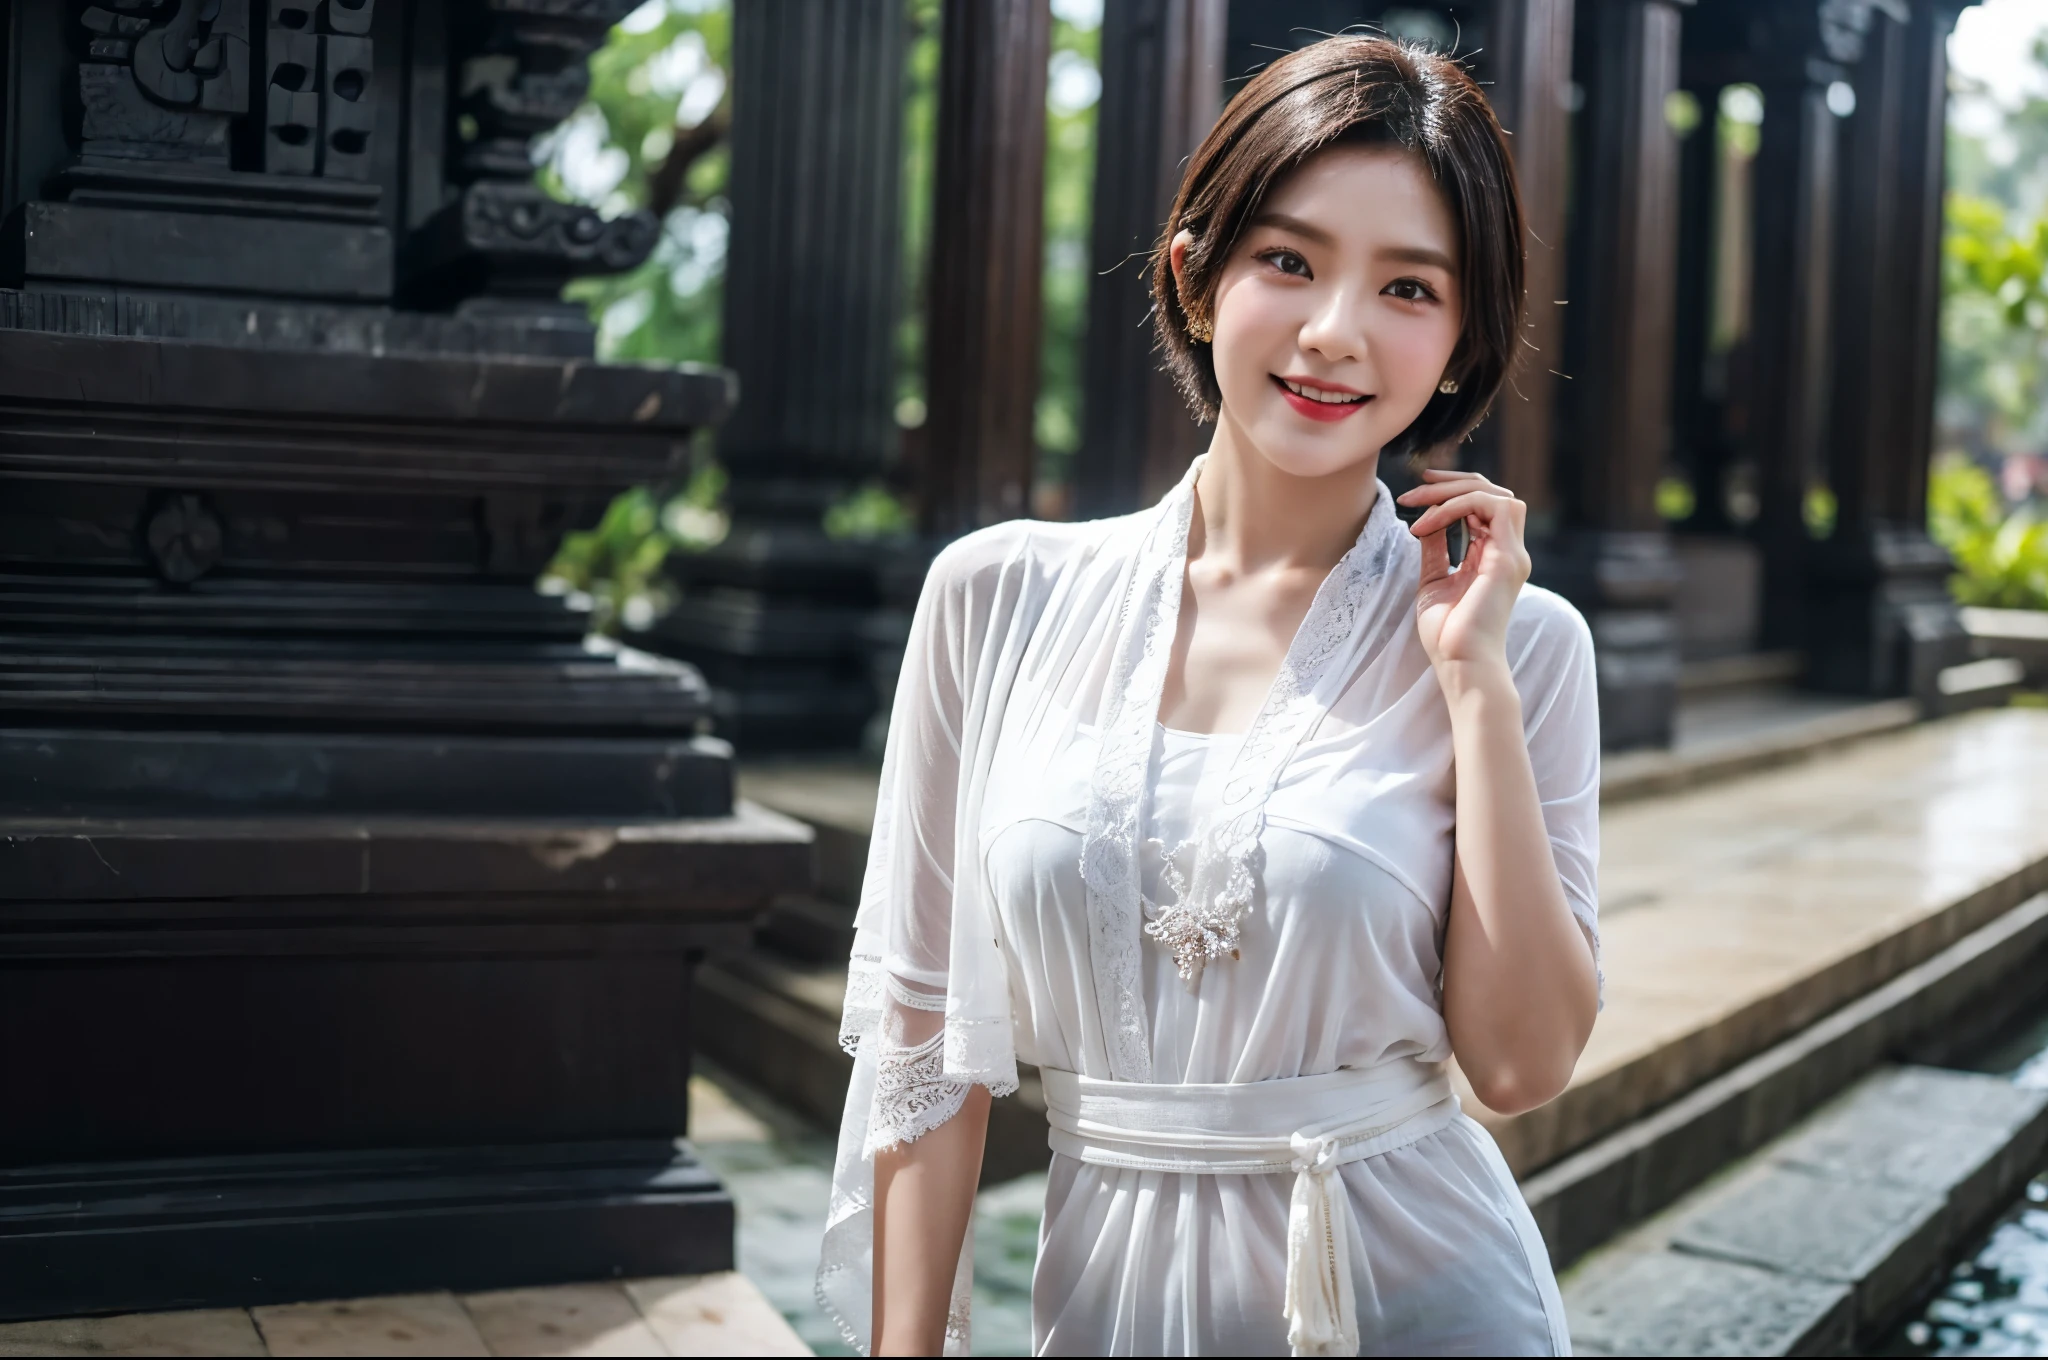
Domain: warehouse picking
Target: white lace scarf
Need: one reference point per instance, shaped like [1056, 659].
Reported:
[1203, 923]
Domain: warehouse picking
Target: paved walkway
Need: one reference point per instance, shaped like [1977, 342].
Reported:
[700, 1315]
[1735, 914]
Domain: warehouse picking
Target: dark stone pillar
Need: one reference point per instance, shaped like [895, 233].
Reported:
[350, 902]
[1162, 87]
[1612, 556]
[1882, 621]
[773, 615]
[1530, 45]
[1800, 49]
[988, 227]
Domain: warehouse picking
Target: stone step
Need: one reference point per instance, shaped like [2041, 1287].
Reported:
[1987, 682]
[718, 1314]
[1753, 739]
[1742, 671]
[2018, 633]
[809, 929]
[1819, 1242]
[1735, 916]
[1968, 992]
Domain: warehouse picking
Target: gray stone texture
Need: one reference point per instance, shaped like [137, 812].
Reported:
[1881, 1240]
[1857, 1209]
[1668, 1303]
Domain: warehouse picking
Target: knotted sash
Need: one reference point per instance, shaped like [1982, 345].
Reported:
[1307, 1125]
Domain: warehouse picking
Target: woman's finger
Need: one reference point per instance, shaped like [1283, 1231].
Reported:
[1435, 492]
[1445, 474]
[1495, 513]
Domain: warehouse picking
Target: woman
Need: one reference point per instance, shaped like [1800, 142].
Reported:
[1169, 803]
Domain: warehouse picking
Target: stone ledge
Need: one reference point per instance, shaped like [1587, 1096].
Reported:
[1822, 1239]
[1593, 1194]
[719, 1314]
[1644, 774]
[1736, 916]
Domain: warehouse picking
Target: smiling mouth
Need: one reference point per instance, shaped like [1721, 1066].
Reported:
[1320, 403]
[1327, 396]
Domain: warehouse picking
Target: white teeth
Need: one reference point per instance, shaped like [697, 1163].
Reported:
[1317, 394]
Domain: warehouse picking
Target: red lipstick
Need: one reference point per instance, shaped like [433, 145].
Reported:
[1327, 412]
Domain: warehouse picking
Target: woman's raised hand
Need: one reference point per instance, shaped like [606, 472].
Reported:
[1462, 615]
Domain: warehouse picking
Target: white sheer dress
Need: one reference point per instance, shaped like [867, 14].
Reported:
[1042, 846]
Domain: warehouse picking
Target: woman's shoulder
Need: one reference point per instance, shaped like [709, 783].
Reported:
[1546, 627]
[981, 560]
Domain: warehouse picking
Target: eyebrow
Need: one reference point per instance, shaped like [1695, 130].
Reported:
[1426, 255]
[1419, 255]
[1295, 225]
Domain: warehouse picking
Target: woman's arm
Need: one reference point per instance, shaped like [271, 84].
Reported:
[1519, 989]
[924, 1199]
[1519, 986]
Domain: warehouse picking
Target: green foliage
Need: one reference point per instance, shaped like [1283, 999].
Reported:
[662, 70]
[1819, 510]
[1994, 352]
[1675, 499]
[666, 63]
[1072, 97]
[1994, 330]
[920, 154]
[614, 570]
[2001, 556]
[869, 514]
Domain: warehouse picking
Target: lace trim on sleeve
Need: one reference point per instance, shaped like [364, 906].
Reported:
[912, 1095]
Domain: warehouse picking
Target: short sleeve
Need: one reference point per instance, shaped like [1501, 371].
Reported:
[926, 1017]
[901, 979]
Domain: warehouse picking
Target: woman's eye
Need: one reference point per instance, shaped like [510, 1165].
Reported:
[1287, 262]
[1410, 290]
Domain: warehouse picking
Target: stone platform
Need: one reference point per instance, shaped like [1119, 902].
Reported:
[1817, 1244]
[718, 1314]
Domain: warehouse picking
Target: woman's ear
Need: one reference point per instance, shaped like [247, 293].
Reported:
[1177, 257]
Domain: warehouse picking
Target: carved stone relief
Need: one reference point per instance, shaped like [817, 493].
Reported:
[524, 70]
[164, 79]
[172, 80]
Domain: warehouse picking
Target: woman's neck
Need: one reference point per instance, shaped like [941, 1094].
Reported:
[1253, 515]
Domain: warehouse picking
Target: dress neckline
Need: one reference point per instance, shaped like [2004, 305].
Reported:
[1183, 734]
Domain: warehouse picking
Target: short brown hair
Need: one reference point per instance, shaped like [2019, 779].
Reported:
[1355, 90]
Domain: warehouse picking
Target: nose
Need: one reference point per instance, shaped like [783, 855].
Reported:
[1336, 330]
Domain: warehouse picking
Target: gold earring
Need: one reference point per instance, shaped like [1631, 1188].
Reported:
[1200, 329]
[1447, 386]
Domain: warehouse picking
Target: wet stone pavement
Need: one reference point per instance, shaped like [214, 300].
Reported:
[779, 1171]
[1995, 1301]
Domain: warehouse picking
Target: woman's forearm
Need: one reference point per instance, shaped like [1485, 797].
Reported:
[924, 1199]
[1519, 988]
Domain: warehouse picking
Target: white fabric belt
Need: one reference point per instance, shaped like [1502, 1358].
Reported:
[1307, 1125]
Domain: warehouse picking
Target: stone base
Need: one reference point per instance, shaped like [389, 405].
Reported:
[1624, 584]
[783, 622]
[287, 1058]
[236, 1231]
[1881, 621]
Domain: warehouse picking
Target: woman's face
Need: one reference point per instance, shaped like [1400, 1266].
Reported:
[1338, 310]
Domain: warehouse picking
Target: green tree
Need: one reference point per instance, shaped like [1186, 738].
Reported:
[1073, 91]
[651, 136]
[2001, 555]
